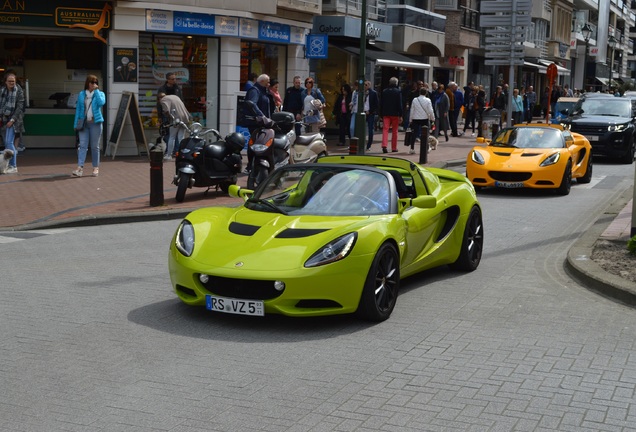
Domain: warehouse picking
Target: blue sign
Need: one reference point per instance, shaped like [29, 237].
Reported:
[193, 23]
[274, 32]
[316, 46]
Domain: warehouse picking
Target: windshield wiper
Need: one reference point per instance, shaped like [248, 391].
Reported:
[269, 204]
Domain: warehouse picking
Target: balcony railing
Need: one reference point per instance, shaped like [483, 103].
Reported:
[470, 18]
[402, 14]
[376, 9]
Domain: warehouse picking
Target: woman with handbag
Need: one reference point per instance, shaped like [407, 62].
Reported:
[12, 111]
[421, 114]
[89, 122]
[342, 113]
[313, 103]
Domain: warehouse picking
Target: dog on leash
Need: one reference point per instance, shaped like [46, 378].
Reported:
[4, 160]
[432, 143]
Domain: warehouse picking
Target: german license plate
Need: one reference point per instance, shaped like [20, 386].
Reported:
[509, 185]
[234, 306]
[592, 138]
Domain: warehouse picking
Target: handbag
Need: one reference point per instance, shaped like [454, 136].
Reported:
[409, 137]
[81, 124]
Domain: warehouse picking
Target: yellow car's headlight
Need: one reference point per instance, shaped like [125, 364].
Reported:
[333, 251]
[551, 160]
[477, 157]
[184, 240]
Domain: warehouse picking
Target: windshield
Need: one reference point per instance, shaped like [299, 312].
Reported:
[603, 106]
[326, 190]
[529, 137]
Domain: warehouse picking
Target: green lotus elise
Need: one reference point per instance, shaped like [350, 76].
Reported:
[332, 237]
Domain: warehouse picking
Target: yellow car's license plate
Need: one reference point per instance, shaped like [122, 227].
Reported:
[234, 306]
[510, 185]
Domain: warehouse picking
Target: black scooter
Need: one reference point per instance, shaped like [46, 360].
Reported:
[270, 146]
[203, 163]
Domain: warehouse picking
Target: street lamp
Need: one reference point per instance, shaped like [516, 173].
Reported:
[586, 31]
[360, 117]
[612, 43]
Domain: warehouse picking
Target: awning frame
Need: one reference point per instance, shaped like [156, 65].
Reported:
[386, 58]
[560, 69]
[542, 69]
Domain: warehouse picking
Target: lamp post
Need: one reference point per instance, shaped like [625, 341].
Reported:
[586, 31]
[612, 43]
[360, 117]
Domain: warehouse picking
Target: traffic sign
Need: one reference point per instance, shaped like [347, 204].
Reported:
[504, 20]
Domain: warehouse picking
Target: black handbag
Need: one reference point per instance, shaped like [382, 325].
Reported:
[81, 123]
[409, 137]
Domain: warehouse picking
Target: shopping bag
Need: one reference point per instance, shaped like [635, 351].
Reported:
[409, 137]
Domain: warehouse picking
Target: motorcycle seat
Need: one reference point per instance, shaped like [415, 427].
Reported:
[306, 139]
[216, 150]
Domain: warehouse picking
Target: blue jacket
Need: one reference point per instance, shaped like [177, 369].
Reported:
[99, 100]
[259, 95]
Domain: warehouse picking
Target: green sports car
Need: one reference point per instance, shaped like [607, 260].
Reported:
[332, 237]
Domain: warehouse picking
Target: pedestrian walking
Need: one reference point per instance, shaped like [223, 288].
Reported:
[12, 110]
[391, 109]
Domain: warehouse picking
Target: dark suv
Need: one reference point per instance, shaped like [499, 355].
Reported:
[608, 122]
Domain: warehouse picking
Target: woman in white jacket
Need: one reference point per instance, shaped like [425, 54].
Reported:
[421, 114]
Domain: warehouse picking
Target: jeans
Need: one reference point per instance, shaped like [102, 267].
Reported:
[416, 127]
[9, 144]
[90, 135]
[370, 127]
[174, 139]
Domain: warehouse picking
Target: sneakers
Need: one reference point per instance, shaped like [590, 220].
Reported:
[95, 172]
[472, 134]
[78, 172]
[412, 151]
[11, 170]
[167, 158]
[21, 148]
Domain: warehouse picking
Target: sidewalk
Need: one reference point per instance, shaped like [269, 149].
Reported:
[43, 193]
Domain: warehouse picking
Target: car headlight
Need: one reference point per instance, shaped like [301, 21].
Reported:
[184, 240]
[566, 126]
[333, 251]
[551, 160]
[618, 127]
[477, 157]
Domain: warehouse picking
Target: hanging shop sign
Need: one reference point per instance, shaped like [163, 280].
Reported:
[213, 25]
[61, 13]
[316, 46]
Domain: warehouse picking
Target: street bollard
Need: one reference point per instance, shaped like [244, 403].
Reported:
[424, 145]
[156, 177]
[353, 146]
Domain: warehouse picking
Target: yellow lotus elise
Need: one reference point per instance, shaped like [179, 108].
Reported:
[538, 156]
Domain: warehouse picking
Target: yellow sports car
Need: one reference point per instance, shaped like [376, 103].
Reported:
[539, 156]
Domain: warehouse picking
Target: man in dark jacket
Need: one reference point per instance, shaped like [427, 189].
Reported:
[391, 108]
[262, 103]
[293, 101]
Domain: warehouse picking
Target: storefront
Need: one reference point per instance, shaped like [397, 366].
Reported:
[51, 48]
[341, 64]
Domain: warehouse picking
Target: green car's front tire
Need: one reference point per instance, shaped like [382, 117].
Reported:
[472, 243]
[381, 286]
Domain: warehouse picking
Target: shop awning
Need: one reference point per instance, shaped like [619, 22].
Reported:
[542, 69]
[387, 58]
[560, 69]
[602, 80]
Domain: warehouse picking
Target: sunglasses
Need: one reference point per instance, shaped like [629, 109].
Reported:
[309, 82]
[94, 82]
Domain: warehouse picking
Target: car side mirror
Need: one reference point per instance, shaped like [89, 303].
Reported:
[236, 191]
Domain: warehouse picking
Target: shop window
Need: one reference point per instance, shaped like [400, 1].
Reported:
[259, 58]
[187, 57]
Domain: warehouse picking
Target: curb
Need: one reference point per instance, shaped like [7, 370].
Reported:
[581, 267]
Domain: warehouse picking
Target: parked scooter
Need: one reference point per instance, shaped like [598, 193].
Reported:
[201, 162]
[308, 147]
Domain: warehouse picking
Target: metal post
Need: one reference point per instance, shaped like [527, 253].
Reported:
[424, 146]
[360, 117]
[156, 177]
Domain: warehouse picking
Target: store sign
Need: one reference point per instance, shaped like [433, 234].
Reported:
[227, 26]
[316, 46]
[350, 27]
[61, 13]
[212, 25]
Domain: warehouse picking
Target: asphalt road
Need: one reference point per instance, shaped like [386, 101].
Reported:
[93, 339]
